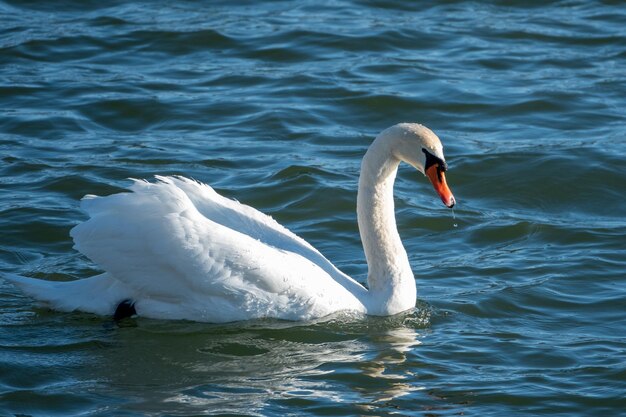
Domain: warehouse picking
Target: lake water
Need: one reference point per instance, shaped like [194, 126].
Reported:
[521, 309]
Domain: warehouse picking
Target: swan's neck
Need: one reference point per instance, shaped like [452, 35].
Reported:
[390, 279]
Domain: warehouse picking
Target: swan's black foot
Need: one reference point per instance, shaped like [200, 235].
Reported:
[124, 310]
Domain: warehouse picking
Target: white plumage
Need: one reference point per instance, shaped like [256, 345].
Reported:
[179, 250]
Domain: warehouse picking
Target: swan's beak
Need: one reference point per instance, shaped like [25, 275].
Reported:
[438, 178]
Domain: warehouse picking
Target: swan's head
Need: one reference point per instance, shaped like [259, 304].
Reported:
[419, 146]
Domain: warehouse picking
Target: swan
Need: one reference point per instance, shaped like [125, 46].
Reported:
[176, 249]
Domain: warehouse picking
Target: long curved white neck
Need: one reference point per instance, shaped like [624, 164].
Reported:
[390, 279]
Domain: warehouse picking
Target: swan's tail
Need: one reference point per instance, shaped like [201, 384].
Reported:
[100, 294]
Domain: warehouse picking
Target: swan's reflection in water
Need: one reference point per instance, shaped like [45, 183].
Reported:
[390, 364]
[256, 371]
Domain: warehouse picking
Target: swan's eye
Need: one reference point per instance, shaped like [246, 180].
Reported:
[432, 160]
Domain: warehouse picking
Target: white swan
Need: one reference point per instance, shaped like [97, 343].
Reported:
[175, 249]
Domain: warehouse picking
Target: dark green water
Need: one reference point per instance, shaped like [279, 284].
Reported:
[522, 306]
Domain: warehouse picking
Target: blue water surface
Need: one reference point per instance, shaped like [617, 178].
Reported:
[521, 305]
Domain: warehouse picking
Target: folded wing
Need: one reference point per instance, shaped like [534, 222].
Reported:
[186, 252]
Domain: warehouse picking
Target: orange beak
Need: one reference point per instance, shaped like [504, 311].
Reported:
[438, 178]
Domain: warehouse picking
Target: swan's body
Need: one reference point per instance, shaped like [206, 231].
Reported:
[179, 250]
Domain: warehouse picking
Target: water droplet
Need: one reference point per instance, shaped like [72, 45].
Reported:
[454, 219]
